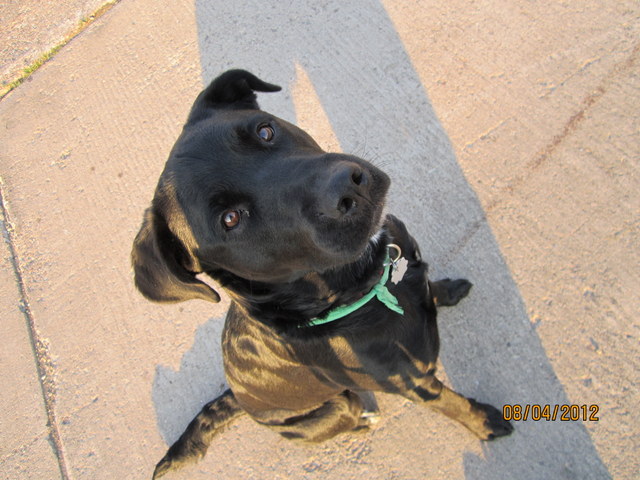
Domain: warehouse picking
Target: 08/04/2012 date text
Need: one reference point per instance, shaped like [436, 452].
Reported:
[551, 413]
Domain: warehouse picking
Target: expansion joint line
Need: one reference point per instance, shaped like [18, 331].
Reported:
[53, 51]
[40, 353]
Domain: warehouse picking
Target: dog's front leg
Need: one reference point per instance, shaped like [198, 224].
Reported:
[193, 443]
[483, 420]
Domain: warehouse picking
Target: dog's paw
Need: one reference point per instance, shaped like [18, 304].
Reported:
[163, 467]
[495, 425]
[369, 419]
[181, 453]
[447, 292]
[370, 411]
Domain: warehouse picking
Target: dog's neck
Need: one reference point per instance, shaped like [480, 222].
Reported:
[290, 305]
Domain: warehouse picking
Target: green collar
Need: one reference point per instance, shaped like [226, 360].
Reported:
[379, 290]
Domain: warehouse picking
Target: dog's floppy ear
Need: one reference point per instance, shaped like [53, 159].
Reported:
[160, 263]
[235, 89]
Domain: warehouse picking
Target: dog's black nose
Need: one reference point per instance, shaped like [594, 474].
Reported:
[347, 185]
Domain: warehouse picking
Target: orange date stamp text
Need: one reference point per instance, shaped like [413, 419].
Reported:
[550, 413]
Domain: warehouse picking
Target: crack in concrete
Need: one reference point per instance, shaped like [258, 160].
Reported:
[450, 254]
[53, 51]
[483, 136]
[568, 128]
[582, 69]
[572, 124]
[44, 363]
[545, 154]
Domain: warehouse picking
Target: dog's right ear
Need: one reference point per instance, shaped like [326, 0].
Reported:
[232, 89]
[159, 258]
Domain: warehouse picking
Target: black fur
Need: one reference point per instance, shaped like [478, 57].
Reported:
[304, 234]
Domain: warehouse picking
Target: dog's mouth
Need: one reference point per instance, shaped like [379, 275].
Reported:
[342, 240]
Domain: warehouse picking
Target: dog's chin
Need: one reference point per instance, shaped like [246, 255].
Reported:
[355, 241]
[378, 228]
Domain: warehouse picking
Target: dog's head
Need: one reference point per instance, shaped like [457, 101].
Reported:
[248, 193]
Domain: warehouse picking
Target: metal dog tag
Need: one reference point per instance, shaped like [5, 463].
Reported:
[399, 269]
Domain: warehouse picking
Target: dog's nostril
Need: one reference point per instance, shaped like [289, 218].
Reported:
[356, 177]
[346, 204]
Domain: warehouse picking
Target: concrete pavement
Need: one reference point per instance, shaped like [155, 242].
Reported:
[511, 133]
[31, 28]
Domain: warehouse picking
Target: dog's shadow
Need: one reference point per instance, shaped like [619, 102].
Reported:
[179, 395]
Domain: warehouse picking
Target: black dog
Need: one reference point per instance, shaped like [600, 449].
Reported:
[330, 298]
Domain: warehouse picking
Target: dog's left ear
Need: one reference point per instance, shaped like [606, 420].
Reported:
[164, 269]
[233, 89]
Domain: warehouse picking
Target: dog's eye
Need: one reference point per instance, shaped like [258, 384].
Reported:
[231, 219]
[265, 132]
